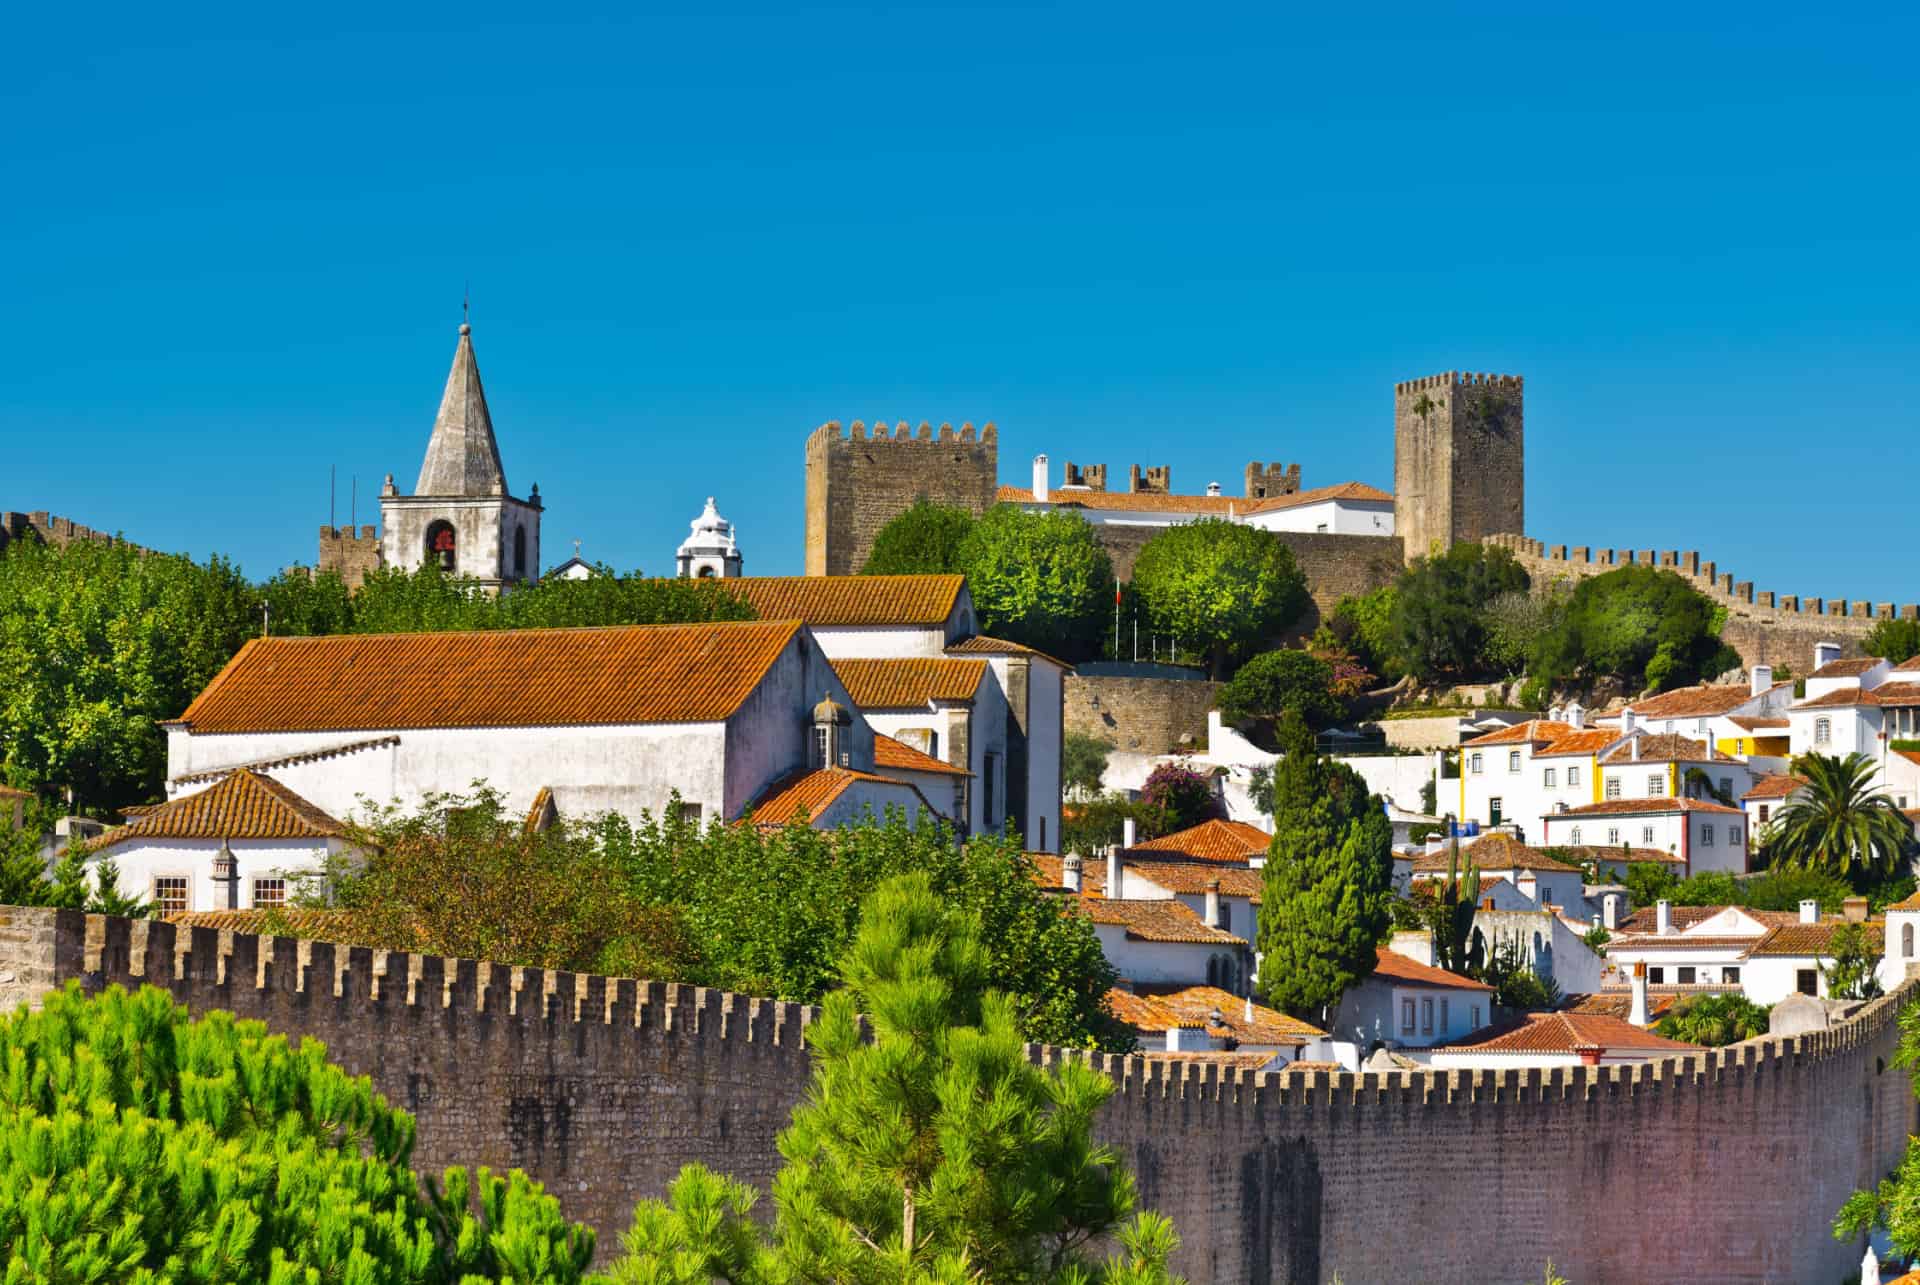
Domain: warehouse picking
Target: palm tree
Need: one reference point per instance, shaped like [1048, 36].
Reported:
[1839, 820]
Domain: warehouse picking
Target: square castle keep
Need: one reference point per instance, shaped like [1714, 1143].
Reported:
[1459, 474]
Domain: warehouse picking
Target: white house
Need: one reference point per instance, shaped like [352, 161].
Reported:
[1706, 836]
[1765, 955]
[1408, 1004]
[1738, 719]
[1350, 508]
[943, 785]
[612, 719]
[1522, 773]
[1540, 877]
[1655, 765]
[1164, 941]
[1549, 943]
[1764, 799]
[1559, 1039]
[1857, 706]
[949, 709]
[244, 843]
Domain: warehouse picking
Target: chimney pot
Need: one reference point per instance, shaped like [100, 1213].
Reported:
[1762, 679]
[1855, 909]
[1809, 911]
[1213, 903]
[1663, 916]
[1070, 872]
[1627, 721]
[1610, 911]
[1127, 832]
[1825, 653]
[1040, 491]
[1116, 873]
[1637, 1012]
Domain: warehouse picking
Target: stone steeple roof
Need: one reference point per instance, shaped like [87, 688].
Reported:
[462, 458]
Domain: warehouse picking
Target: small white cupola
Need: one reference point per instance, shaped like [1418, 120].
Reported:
[830, 723]
[710, 551]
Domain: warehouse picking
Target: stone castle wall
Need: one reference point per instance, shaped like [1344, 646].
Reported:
[1459, 459]
[1140, 715]
[1718, 1167]
[352, 557]
[48, 528]
[857, 483]
[1765, 627]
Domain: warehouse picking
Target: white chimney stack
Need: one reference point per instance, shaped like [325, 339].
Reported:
[1825, 653]
[1527, 884]
[1555, 714]
[1610, 912]
[1040, 478]
[1126, 832]
[1627, 721]
[1762, 679]
[1213, 903]
[1115, 873]
[1576, 715]
[1070, 872]
[1663, 917]
[1213, 488]
[1809, 911]
[1637, 1014]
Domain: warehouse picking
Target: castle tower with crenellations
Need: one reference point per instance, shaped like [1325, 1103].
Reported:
[857, 482]
[1459, 471]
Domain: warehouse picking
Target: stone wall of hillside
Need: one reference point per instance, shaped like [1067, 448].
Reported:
[1140, 715]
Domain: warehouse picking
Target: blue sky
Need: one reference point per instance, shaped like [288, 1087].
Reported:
[236, 240]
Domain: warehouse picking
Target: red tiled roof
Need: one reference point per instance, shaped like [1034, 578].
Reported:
[1584, 740]
[1215, 840]
[1776, 785]
[1811, 940]
[1195, 1006]
[1846, 667]
[1600, 852]
[1641, 807]
[1646, 919]
[1901, 694]
[1494, 852]
[909, 682]
[1761, 724]
[297, 921]
[1339, 491]
[1619, 1003]
[1703, 700]
[1190, 878]
[502, 678]
[1665, 747]
[901, 757]
[1402, 971]
[1566, 1032]
[245, 805]
[812, 792]
[1162, 921]
[843, 601]
[1534, 729]
[1664, 942]
[981, 645]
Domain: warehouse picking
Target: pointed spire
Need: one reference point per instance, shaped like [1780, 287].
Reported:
[462, 457]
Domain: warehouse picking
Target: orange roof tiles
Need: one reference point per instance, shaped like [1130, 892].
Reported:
[1566, 1032]
[1886, 694]
[981, 645]
[1130, 501]
[1190, 878]
[1811, 940]
[1494, 852]
[1777, 785]
[297, 921]
[1215, 840]
[811, 792]
[1316, 495]
[1619, 1003]
[243, 806]
[1194, 1006]
[1848, 667]
[1666, 747]
[1645, 919]
[504, 678]
[901, 757]
[1640, 807]
[1703, 700]
[909, 682]
[843, 601]
[1760, 724]
[1402, 971]
[1584, 740]
[1159, 921]
[1911, 903]
[1534, 729]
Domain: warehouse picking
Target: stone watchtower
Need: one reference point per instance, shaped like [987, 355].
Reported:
[1458, 460]
[460, 514]
[856, 484]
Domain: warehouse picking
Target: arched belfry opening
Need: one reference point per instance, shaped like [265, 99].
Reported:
[442, 546]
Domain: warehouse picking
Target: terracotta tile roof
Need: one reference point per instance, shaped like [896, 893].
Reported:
[909, 682]
[1846, 667]
[1643, 807]
[1811, 940]
[1585, 740]
[1195, 1006]
[1533, 730]
[1622, 942]
[1494, 852]
[813, 791]
[1910, 665]
[1190, 878]
[296, 921]
[289, 760]
[1130, 501]
[1234, 1059]
[1666, 747]
[1402, 971]
[1566, 1032]
[1332, 1068]
[1899, 694]
[1339, 491]
[1760, 724]
[902, 757]
[981, 645]
[1145, 1014]
[1776, 785]
[1646, 919]
[1911, 903]
[503, 678]
[1215, 840]
[1701, 701]
[1162, 921]
[245, 805]
[841, 601]
[1620, 1003]
[1896, 694]
[1600, 852]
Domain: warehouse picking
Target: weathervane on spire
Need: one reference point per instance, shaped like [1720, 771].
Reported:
[466, 305]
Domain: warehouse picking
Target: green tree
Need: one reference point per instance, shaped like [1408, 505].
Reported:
[1636, 623]
[1042, 579]
[1364, 622]
[1220, 587]
[1439, 622]
[1450, 914]
[1516, 983]
[152, 1147]
[924, 540]
[1713, 1020]
[1327, 882]
[1840, 822]
[1083, 762]
[1894, 640]
[934, 1151]
[1276, 681]
[1515, 623]
[1177, 796]
[1855, 971]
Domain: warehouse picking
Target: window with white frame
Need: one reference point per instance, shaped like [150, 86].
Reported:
[1613, 836]
[1574, 836]
[1548, 778]
[1513, 760]
[1646, 836]
[1613, 787]
[1406, 1017]
[1656, 784]
[1573, 774]
[170, 894]
[1726, 786]
[1733, 836]
[1475, 764]
[1426, 1017]
[1443, 1015]
[1706, 836]
[1822, 731]
[690, 814]
[269, 892]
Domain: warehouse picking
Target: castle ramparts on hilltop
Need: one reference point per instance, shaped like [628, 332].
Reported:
[49, 528]
[603, 1088]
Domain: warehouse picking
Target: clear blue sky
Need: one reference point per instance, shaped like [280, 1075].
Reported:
[235, 242]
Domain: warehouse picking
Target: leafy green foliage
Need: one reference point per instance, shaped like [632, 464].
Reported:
[1083, 761]
[1450, 912]
[1650, 881]
[924, 540]
[1713, 1020]
[1181, 795]
[154, 1148]
[934, 1152]
[1220, 587]
[1042, 579]
[1895, 640]
[1327, 882]
[391, 602]
[1101, 820]
[1516, 621]
[1636, 623]
[1515, 983]
[1365, 624]
[1439, 622]
[1276, 681]
[1840, 821]
[1854, 972]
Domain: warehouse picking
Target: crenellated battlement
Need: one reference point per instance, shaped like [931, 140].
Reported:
[50, 528]
[858, 431]
[1456, 378]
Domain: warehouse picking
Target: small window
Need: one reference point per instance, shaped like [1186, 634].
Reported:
[1475, 1011]
[1613, 787]
[1706, 836]
[1726, 786]
[1476, 764]
[170, 894]
[819, 752]
[1043, 834]
[1575, 836]
[1807, 981]
[1646, 836]
[1730, 975]
[1443, 1015]
[1613, 836]
[1822, 735]
[690, 814]
[1513, 760]
[1406, 1017]
[520, 551]
[989, 782]
[1548, 778]
[1656, 784]
[1763, 813]
[1739, 745]
[1906, 941]
[1733, 836]
[1656, 975]
[1321, 527]
[269, 892]
[1426, 1017]
[1686, 974]
[1573, 774]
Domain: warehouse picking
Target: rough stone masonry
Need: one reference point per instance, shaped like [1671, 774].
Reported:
[1723, 1166]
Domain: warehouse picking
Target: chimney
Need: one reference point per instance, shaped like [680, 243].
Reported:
[1809, 911]
[1825, 653]
[1115, 873]
[1127, 832]
[1663, 917]
[1589, 1054]
[1762, 679]
[1626, 721]
[1637, 1013]
[1040, 478]
[1528, 885]
[1213, 903]
[1070, 872]
[1610, 912]
[1576, 716]
[1213, 488]
[1555, 714]
[1855, 910]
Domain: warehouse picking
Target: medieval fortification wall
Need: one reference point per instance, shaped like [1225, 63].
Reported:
[48, 528]
[1718, 1167]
